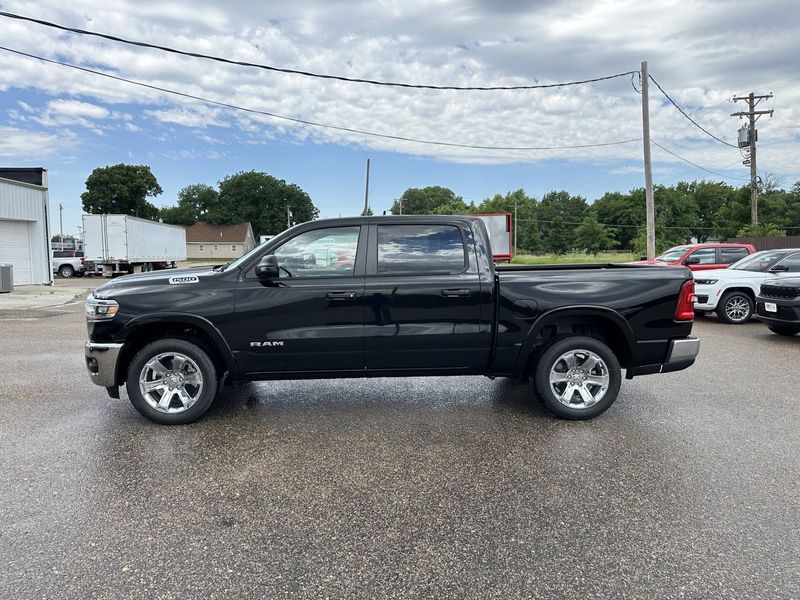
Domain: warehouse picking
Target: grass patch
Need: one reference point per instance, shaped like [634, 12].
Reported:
[567, 259]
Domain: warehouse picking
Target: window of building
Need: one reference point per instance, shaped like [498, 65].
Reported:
[234, 247]
[201, 248]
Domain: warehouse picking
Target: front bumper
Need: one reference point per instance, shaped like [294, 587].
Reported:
[707, 297]
[101, 361]
[787, 313]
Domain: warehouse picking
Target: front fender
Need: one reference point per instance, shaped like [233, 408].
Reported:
[186, 319]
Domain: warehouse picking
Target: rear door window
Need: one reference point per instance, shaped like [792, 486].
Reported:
[420, 250]
[728, 256]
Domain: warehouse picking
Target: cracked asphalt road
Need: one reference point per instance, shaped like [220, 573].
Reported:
[688, 486]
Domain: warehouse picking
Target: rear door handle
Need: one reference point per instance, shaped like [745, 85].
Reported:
[341, 295]
[455, 293]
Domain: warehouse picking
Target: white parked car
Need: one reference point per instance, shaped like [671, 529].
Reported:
[731, 292]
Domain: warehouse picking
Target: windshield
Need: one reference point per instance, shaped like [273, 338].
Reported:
[673, 254]
[759, 262]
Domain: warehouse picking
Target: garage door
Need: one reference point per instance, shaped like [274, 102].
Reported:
[15, 249]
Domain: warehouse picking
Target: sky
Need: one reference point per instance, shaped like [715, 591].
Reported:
[702, 53]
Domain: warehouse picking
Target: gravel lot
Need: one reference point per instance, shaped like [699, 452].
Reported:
[689, 486]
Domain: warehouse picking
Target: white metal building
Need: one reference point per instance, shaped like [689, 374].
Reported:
[24, 226]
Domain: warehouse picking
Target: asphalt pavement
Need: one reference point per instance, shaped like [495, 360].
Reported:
[688, 487]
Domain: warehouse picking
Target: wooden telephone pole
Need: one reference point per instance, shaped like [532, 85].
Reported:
[753, 114]
[648, 167]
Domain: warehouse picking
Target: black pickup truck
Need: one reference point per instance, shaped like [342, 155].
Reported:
[395, 296]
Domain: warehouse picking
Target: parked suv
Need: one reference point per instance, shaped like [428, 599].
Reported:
[701, 257]
[68, 263]
[778, 305]
[732, 292]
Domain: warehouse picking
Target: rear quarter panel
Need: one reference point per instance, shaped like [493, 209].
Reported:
[645, 297]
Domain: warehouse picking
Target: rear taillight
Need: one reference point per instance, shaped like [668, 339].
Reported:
[686, 299]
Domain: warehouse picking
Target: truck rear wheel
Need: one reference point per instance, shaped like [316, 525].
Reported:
[66, 271]
[578, 377]
[172, 382]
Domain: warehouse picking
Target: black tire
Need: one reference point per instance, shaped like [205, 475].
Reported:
[550, 360]
[66, 271]
[728, 309]
[788, 330]
[205, 367]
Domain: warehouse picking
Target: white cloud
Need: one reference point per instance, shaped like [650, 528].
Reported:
[701, 52]
[22, 144]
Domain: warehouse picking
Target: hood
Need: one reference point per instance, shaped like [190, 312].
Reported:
[783, 281]
[725, 274]
[168, 278]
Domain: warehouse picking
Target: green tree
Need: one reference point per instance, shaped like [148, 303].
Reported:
[262, 200]
[194, 202]
[762, 230]
[559, 238]
[624, 212]
[529, 238]
[431, 200]
[594, 236]
[559, 214]
[121, 189]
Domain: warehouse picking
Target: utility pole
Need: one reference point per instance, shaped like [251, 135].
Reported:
[366, 194]
[515, 226]
[648, 167]
[750, 142]
[61, 223]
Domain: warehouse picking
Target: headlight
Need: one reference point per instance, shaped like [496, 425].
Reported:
[705, 281]
[100, 310]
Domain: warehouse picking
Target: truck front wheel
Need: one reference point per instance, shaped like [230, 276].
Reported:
[172, 381]
[578, 377]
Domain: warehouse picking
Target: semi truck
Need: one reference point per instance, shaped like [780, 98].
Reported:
[122, 244]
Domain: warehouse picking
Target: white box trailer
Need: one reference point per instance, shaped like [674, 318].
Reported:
[499, 227]
[118, 244]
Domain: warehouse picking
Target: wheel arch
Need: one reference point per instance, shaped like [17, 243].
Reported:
[599, 322]
[140, 331]
[746, 289]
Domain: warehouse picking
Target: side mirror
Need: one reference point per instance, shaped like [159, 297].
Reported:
[267, 268]
[779, 269]
[692, 260]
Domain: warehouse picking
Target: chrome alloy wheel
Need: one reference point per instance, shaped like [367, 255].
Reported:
[579, 379]
[737, 308]
[171, 382]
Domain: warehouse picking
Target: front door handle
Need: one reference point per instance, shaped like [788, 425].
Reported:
[341, 295]
[455, 293]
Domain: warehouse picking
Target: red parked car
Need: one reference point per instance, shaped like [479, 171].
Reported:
[700, 257]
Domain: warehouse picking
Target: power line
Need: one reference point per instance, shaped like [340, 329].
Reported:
[220, 59]
[695, 123]
[311, 123]
[686, 160]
